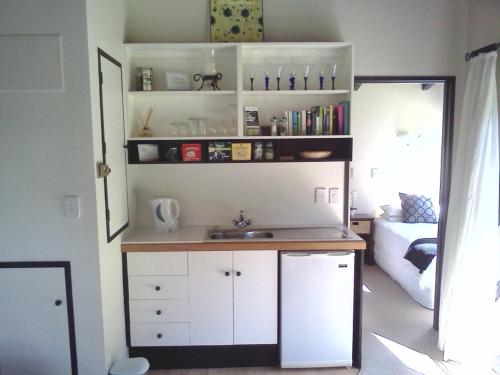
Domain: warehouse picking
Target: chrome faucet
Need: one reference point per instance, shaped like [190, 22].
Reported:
[242, 222]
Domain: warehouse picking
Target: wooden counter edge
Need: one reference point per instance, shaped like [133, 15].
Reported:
[229, 246]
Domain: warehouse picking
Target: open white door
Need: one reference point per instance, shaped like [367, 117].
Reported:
[114, 153]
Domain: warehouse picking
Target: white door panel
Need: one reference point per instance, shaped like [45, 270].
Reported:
[255, 297]
[211, 297]
[34, 333]
[114, 138]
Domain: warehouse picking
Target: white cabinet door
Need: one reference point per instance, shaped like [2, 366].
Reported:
[211, 297]
[34, 333]
[255, 297]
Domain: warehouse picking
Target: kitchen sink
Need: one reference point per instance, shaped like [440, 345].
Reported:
[233, 234]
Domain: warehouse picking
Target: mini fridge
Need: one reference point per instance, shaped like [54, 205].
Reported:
[316, 309]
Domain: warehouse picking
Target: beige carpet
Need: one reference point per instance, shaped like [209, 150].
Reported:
[398, 338]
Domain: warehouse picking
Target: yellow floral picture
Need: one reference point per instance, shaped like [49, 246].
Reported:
[236, 21]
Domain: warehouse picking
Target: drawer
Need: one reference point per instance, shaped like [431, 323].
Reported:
[158, 287]
[159, 311]
[157, 263]
[360, 226]
[159, 334]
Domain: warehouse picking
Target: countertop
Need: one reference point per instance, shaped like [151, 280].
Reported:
[194, 238]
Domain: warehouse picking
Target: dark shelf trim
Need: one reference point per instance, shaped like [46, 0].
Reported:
[340, 147]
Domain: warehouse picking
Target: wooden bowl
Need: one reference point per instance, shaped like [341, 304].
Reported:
[314, 154]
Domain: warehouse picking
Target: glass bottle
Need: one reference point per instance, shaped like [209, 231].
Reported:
[258, 151]
[269, 151]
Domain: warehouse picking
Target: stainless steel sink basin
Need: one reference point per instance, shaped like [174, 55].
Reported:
[233, 234]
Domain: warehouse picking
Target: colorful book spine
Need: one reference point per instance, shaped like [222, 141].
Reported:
[330, 119]
[308, 122]
[340, 117]
[303, 123]
[326, 129]
[347, 119]
[335, 121]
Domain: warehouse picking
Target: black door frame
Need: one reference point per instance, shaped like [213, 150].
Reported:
[101, 54]
[446, 158]
[69, 299]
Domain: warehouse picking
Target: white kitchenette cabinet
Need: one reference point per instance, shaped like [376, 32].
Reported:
[255, 297]
[211, 297]
[233, 297]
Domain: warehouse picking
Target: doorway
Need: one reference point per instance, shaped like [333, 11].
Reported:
[426, 83]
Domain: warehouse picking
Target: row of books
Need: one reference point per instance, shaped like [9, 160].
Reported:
[320, 120]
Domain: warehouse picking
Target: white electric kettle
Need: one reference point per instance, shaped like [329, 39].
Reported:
[166, 213]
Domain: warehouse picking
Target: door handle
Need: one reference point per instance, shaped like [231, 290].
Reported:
[104, 170]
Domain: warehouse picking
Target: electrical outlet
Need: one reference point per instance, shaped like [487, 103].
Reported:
[320, 195]
[72, 206]
[333, 195]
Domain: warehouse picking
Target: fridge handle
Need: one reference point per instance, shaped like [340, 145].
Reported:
[339, 253]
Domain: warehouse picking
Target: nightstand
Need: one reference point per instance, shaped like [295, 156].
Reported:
[362, 225]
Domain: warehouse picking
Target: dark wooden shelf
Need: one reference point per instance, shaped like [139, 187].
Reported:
[341, 149]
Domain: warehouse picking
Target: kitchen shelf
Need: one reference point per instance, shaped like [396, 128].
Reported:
[233, 61]
[340, 146]
[150, 94]
[294, 92]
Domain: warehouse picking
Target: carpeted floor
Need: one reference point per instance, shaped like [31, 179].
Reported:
[398, 338]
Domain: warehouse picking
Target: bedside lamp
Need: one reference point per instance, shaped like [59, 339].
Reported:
[354, 198]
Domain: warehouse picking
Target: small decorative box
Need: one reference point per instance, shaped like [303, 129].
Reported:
[242, 151]
[219, 151]
[191, 151]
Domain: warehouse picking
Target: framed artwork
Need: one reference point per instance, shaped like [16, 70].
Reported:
[236, 21]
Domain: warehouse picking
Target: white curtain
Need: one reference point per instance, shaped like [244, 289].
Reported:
[467, 320]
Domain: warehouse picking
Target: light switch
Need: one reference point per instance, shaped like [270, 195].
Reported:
[72, 206]
[334, 195]
[320, 195]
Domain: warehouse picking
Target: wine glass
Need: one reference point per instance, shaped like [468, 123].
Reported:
[267, 74]
[278, 69]
[252, 71]
[306, 68]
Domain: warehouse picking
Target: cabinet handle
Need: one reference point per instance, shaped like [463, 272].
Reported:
[238, 273]
[159, 336]
[355, 222]
[58, 302]
[227, 273]
[158, 312]
[157, 288]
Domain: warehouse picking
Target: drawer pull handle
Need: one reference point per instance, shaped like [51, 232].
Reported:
[158, 312]
[58, 302]
[157, 288]
[238, 273]
[227, 273]
[355, 223]
[159, 336]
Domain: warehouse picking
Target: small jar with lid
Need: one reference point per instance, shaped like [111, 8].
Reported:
[258, 151]
[269, 151]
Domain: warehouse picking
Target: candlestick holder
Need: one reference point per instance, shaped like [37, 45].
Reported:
[211, 80]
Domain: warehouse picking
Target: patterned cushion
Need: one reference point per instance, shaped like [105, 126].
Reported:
[417, 209]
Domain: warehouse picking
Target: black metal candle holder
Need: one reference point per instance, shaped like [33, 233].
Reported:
[210, 80]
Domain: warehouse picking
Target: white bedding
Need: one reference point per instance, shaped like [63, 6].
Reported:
[392, 240]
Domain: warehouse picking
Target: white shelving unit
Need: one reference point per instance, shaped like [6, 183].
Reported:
[224, 109]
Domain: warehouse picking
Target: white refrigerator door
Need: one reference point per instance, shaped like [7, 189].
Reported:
[317, 309]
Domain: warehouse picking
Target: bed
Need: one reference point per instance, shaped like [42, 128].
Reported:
[392, 240]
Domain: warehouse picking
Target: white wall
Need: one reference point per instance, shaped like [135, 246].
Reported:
[105, 23]
[390, 36]
[46, 153]
[398, 132]
[277, 193]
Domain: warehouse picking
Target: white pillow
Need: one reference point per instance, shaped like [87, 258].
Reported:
[391, 210]
[392, 218]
